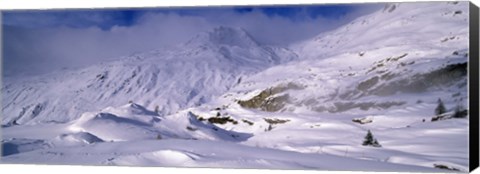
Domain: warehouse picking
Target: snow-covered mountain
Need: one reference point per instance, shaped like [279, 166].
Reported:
[420, 24]
[394, 57]
[308, 106]
[165, 80]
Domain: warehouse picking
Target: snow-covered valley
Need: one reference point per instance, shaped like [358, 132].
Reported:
[224, 100]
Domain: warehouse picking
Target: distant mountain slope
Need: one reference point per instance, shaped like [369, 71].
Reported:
[164, 80]
[423, 24]
[401, 55]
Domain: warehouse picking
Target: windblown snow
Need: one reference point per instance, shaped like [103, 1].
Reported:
[224, 100]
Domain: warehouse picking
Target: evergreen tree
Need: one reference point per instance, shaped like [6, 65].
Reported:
[270, 127]
[370, 140]
[440, 108]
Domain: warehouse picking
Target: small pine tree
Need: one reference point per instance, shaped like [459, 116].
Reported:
[270, 127]
[370, 140]
[440, 108]
[157, 109]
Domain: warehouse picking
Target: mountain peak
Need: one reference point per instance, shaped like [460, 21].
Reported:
[222, 35]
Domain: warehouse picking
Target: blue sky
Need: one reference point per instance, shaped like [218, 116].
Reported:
[39, 41]
[107, 18]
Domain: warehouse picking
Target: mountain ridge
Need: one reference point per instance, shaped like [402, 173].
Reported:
[188, 69]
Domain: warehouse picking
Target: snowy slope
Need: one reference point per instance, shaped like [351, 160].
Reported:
[170, 79]
[130, 135]
[422, 24]
[401, 69]
[396, 87]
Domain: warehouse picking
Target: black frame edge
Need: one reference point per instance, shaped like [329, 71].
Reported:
[474, 87]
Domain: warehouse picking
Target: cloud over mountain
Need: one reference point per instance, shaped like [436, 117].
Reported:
[37, 42]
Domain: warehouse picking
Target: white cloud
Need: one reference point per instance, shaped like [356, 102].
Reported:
[39, 50]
